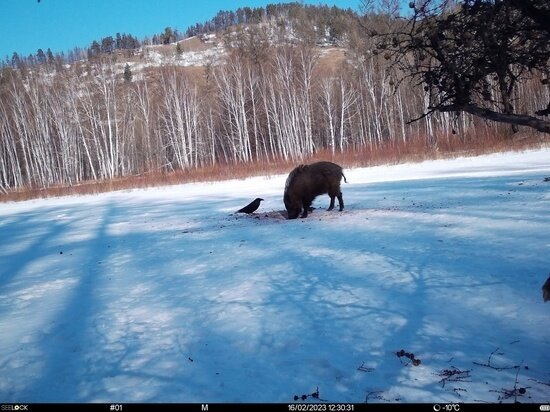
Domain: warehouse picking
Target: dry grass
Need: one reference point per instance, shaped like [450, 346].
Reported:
[416, 149]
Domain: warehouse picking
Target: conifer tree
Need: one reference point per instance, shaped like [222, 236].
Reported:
[127, 73]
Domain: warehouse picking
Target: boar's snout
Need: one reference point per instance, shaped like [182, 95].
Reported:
[293, 214]
[293, 209]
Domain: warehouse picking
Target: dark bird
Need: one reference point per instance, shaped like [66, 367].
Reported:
[546, 290]
[251, 207]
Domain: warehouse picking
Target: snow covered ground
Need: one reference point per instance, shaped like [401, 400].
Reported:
[165, 295]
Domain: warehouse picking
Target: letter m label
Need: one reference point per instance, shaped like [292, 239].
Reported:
[204, 407]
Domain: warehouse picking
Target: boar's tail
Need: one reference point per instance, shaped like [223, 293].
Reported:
[344, 176]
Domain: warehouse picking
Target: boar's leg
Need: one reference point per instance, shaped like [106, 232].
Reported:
[335, 193]
[332, 202]
[307, 207]
[340, 201]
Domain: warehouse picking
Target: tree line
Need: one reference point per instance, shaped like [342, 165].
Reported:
[325, 18]
[269, 101]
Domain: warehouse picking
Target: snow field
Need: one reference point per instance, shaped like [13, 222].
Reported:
[165, 295]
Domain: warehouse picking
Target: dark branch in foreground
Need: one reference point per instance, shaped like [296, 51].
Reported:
[473, 56]
[519, 119]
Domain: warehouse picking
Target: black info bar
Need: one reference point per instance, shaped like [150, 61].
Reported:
[276, 407]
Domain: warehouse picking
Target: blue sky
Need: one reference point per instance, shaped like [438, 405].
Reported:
[27, 25]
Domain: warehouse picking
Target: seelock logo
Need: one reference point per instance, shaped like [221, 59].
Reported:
[14, 408]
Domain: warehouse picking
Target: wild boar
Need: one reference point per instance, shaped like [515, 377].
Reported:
[306, 182]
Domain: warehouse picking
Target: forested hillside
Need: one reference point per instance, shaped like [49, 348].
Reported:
[263, 85]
